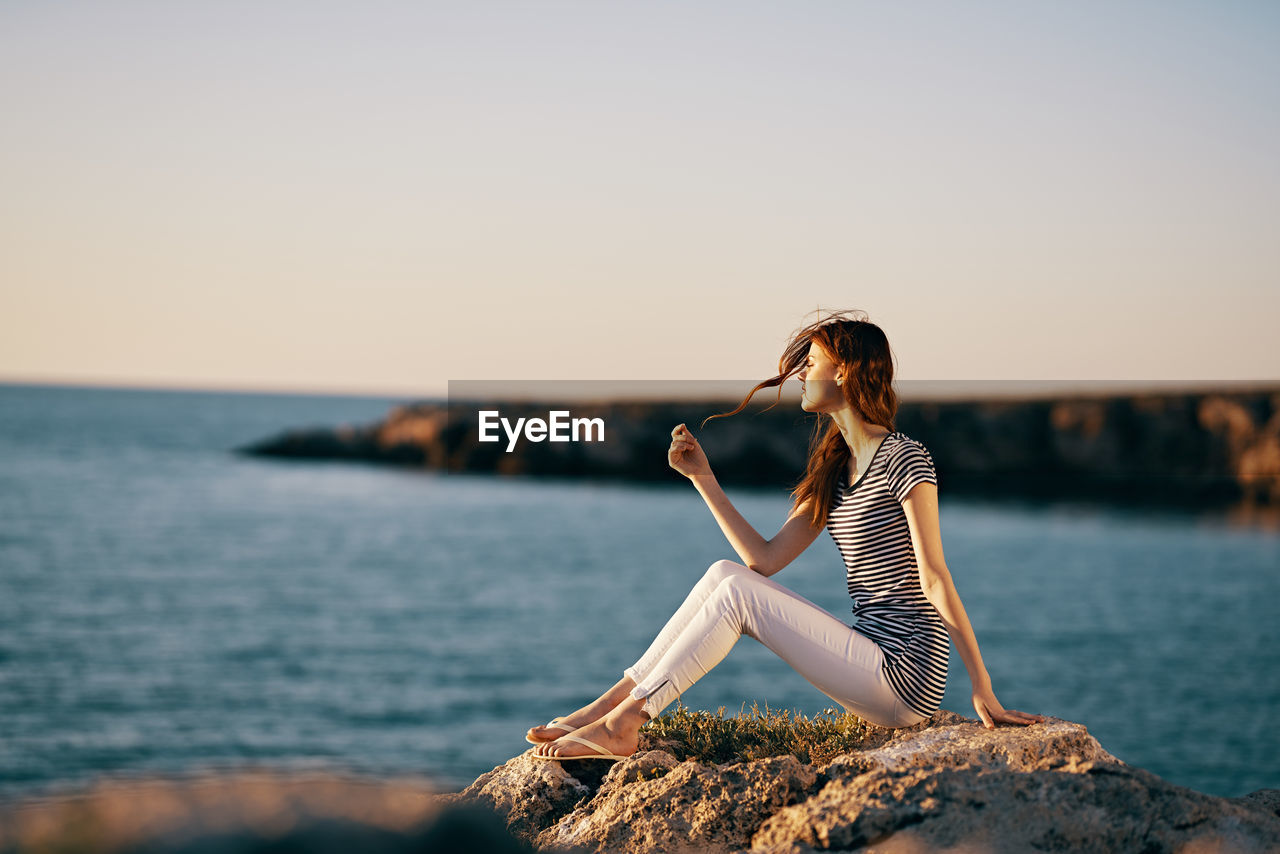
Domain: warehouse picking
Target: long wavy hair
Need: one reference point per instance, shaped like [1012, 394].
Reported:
[861, 351]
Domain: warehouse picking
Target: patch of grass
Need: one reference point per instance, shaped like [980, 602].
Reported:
[754, 734]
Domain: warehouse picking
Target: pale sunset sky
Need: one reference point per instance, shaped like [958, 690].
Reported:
[375, 197]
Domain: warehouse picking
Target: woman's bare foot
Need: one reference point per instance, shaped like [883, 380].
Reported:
[589, 713]
[618, 732]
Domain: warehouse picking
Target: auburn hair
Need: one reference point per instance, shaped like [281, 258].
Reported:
[861, 352]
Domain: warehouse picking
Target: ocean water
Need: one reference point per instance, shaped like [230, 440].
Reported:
[168, 605]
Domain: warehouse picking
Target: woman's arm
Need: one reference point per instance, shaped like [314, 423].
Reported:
[921, 508]
[763, 556]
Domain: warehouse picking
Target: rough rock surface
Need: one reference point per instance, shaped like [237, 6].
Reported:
[706, 808]
[947, 784]
[531, 793]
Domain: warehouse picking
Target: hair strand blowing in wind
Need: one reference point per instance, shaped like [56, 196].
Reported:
[861, 351]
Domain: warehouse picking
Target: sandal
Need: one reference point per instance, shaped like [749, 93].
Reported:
[554, 723]
[600, 752]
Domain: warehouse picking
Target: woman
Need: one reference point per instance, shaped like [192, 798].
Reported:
[891, 670]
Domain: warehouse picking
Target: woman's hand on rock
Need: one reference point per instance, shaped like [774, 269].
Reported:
[991, 712]
[685, 454]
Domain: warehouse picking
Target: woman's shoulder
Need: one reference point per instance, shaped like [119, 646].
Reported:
[901, 449]
[898, 440]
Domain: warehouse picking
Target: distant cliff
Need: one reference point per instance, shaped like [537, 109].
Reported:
[1193, 447]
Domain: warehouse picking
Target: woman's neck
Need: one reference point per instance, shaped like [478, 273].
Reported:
[861, 436]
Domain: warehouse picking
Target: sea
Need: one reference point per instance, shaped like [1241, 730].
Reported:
[170, 605]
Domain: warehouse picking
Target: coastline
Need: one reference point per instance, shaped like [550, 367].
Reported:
[1189, 449]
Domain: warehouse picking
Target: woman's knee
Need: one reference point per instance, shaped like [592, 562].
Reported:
[738, 595]
[723, 569]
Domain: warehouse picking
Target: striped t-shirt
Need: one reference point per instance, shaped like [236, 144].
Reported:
[870, 529]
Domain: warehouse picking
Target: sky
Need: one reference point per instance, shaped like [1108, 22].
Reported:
[382, 197]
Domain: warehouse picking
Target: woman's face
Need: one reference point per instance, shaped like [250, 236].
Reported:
[819, 392]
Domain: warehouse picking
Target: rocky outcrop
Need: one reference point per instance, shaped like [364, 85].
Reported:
[946, 784]
[1217, 447]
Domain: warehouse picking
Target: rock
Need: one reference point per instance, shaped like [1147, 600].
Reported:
[531, 793]
[1267, 800]
[1103, 808]
[694, 806]
[945, 784]
[951, 740]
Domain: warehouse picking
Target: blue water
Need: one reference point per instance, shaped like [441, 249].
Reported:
[167, 605]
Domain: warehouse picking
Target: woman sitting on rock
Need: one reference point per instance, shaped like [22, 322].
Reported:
[875, 490]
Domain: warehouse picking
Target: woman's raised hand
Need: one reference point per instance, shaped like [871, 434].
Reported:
[991, 712]
[685, 454]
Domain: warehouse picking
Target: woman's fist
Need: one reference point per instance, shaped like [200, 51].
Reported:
[685, 454]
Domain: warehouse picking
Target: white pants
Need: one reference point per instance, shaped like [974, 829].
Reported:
[732, 600]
